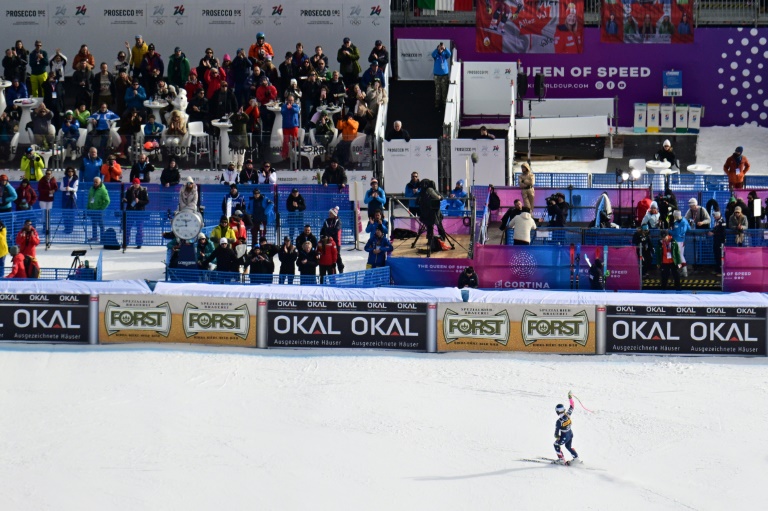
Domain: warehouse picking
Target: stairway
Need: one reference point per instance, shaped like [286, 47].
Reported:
[413, 103]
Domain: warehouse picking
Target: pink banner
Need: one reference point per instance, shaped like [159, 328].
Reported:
[623, 268]
[744, 269]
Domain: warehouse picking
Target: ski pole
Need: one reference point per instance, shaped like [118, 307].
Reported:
[582, 404]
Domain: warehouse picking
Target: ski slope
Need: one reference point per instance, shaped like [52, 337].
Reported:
[181, 427]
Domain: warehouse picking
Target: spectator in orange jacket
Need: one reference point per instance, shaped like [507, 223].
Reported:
[111, 170]
[17, 271]
[736, 167]
[27, 240]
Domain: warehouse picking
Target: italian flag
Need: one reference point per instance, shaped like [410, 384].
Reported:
[445, 5]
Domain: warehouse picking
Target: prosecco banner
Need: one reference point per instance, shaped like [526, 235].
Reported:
[334, 324]
[530, 26]
[670, 330]
[647, 21]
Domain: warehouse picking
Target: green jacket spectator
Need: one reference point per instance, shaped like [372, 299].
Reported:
[98, 197]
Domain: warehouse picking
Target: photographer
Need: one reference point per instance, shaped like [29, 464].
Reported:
[468, 278]
[429, 206]
[557, 210]
[28, 239]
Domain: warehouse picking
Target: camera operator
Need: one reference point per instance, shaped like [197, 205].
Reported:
[429, 207]
[28, 239]
[557, 210]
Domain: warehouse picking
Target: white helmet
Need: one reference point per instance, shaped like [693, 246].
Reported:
[560, 409]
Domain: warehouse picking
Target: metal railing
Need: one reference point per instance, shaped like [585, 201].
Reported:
[375, 277]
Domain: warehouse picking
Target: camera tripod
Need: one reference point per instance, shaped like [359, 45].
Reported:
[423, 229]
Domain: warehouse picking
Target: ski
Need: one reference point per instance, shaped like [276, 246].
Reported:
[573, 251]
[577, 263]
[551, 461]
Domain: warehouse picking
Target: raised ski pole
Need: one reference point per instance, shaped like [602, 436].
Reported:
[579, 400]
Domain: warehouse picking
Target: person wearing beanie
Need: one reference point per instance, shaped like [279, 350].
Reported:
[332, 229]
[667, 154]
[188, 198]
[262, 210]
[26, 197]
[222, 231]
[736, 168]
[375, 197]
[678, 231]
[697, 216]
[32, 165]
[455, 201]
[17, 271]
[70, 132]
[225, 257]
[527, 181]
[8, 194]
[652, 216]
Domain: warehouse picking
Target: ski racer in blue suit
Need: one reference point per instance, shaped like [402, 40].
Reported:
[563, 433]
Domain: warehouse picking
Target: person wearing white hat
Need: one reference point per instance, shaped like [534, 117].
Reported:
[225, 257]
[667, 154]
[188, 195]
[332, 228]
[697, 217]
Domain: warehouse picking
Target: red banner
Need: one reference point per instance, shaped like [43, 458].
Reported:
[647, 22]
[530, 26]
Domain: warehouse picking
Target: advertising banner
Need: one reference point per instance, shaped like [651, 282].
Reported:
[726, 64]
[694, 117]
[623, 267]
[745, 269]
[653, 117]
[516, 327]
[640, 117]
[523, 267]
[414, 58]
[647, 21]
[667, 117]
[182, 319]
[491, 85]
[519, 26]
[429, 271]
[401, 158]
[66, 25]
[681, 118]
[669, 330]
[332, 324]
[45, 318]
[490, 166]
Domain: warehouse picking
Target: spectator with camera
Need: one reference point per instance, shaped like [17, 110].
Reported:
[557, 210]
[429, 208]
[27, 240]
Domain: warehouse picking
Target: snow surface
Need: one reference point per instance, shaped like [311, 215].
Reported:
[127, 428]
[185, 427]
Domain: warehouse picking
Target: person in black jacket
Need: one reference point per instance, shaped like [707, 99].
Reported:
[225, 257]
[379, 54]
[557, 209]
[468, 278]
[511, 213]
[135, 199]
[306, 236]
[335, 174]
[666, 153]
[307, 263]
[718, 234]
[287, 256]
[295, 204]
[223, 103]
[332, 228]
[170, 175]
[597, 276]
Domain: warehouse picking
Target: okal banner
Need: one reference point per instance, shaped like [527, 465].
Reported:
[530, 26]
[46, 318]
[647, 21]
[669, 330]
[333, 324]
[193, 319]
[516, 327]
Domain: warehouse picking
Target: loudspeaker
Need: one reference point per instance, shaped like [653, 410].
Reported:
[538, 86]
[522, 85]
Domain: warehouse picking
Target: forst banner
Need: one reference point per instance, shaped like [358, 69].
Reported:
[335, 324]
[530, 26]
[647, 21]
[46, 318]
[205, 320]
[516, 327]
[673, 330]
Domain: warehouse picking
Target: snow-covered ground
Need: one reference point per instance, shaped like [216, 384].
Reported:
[127, 428]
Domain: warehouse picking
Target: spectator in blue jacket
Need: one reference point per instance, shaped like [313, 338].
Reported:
[91, 166]
[442, 71]
[412, 189]
[378, 247]
[70, 131]
[377, 222]
[135, 96]
[371, 73]
[291, 122]
[680, 227]
[7, 195]
[17, 90]
[101, 127]
[375, 198]
[454, 199]
[260, 215]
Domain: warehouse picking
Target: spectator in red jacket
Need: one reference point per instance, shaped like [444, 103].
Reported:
[46, 189]
[18, 271]
[327, 254]
[25, 196]
[27, 240]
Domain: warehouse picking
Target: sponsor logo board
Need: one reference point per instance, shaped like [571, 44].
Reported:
[47, 318]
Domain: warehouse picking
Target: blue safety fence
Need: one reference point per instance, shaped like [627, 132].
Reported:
[559, 180]
[316, 198]
[609, 181]
[374, 277]
[292, 224]
[223, 277]
[550, 236]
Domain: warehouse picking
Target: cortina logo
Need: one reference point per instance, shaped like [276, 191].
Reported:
[257, 10]
[155, 319]
[235, 321]
[81, 10]
[355, 10]
[178, 10]
[495, 328]
[61, 11]
[159, 10]
[376, 10]
[570, 328]
[277, 10]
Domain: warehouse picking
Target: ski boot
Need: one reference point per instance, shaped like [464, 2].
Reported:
[560, 461]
